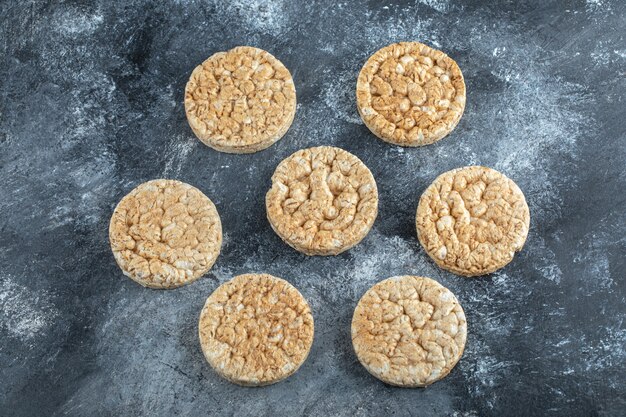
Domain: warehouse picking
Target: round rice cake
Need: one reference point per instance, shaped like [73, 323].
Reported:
[165, 234]
[256, 329]
[409, 94]
[240, 101]
[472, 220]
[409, 331]
[323, 200]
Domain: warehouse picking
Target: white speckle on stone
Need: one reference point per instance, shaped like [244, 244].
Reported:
[499, 51]
[608, 351]
[592, 259]
[76, 23]
[438, 5]
[23, 312]
[545, 260]
[604, 54]
[222, 274]
[594, 3]
[601, 57]
[267, 16]
[379, 257]
[485, 371]
[178, 150]
[598, 7]
[384, 31]
[552, 272]
[340, 95]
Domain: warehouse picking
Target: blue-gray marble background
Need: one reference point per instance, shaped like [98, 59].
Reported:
[91, 105]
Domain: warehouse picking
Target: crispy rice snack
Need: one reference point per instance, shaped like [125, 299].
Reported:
[323, 200]
[409, 331]
[165, 234]
[472, 220]
[409, 94]
[240, 101]
[256, 329]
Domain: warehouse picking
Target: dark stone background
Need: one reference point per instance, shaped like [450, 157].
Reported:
[91, 105]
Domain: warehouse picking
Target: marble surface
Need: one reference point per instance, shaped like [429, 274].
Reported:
[91, 100]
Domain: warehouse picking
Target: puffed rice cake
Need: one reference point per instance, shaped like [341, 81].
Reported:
[409, 94]
[165, 234]
[323, 200]
[472, 220]
[240, 101]
[256, 329]
[409, 331]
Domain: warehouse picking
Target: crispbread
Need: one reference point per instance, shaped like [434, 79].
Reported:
[323, 200]
[165, 234]
[240, 101]
[472, 220]
[256, 329]
[409, 331]
[409, 94]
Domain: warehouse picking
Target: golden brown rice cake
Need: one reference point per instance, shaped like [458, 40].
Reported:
[409, 94]
[165, 234]
[323, 200]
[256, 329]
[409, 331]
[240, 101]
[472, 220]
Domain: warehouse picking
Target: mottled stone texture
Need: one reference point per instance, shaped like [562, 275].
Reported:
[91, 105]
